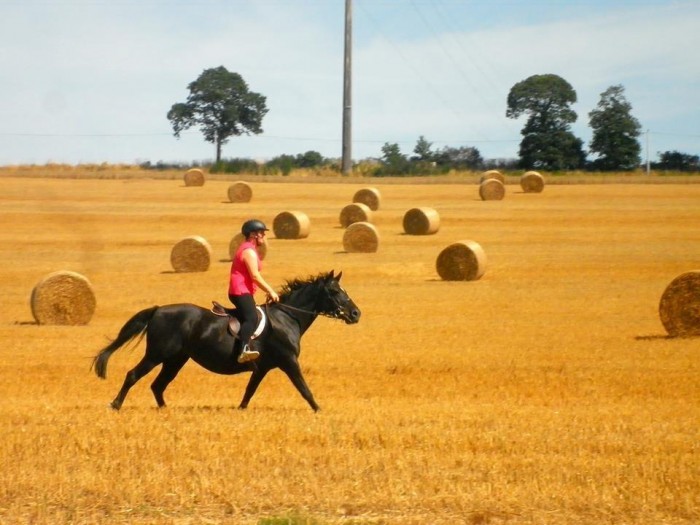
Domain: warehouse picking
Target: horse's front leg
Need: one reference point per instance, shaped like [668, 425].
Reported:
[293, 370]
[256, 377]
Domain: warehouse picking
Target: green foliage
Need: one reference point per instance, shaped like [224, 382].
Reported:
[393, 161]
[283, 164]
[545, 99]
[547, 140]
[422, 150]
[464, 157]
[221, 105]
[236, 165]
[553, 151]
[615, 132]
[677, 161]
[425, 161]
[163, 166]
[310, 159]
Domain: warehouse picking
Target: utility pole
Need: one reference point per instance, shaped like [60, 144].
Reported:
[347, 92]
[647, 152]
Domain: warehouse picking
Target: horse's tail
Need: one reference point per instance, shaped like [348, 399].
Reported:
[136, 326]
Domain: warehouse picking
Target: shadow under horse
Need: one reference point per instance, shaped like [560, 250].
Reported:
[177, 333]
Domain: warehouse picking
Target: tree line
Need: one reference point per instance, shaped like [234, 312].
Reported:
[222, 106]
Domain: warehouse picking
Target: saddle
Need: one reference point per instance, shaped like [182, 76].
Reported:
[234, 325]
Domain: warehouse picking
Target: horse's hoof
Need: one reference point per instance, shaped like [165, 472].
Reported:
[114, 406]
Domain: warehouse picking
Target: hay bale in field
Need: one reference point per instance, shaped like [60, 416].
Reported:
[492, 174]
[679, 307]
[194, 177]
[492, 190]
[236, 241]
[461, 261]
[355, 212]
[240, 192]
[369, 196]
[421, 221]
[191, 254]
[532, 182]
[361, 237]
[63, 298]
[291, 225]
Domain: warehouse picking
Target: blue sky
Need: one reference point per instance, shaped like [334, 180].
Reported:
[91, 81]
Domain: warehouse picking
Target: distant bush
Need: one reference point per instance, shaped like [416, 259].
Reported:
[677, 161]
[163, 166]
[236, 165]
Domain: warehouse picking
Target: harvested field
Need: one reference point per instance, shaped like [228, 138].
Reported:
[547, 392]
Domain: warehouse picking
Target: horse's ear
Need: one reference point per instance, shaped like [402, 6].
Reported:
[337, 277]
[330, 275]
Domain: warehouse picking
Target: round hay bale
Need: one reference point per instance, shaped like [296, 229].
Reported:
[492, 190]
[291, 225]
[361, 237]
[355, 212]
[191, 254]
[240, 192]
[421, 221]
[532, 182]
[461, 261]
[369, 196]
[236, 241]
[492, 174]
[679, 307]
[63, 298]
[194, 177]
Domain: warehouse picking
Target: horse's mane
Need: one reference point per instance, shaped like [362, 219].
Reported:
[295, 284]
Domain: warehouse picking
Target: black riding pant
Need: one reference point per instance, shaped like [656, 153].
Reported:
[247, 315]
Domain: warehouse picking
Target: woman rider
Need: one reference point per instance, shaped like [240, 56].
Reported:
[244, 281]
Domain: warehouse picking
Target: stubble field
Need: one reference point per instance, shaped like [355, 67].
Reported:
[544, 393]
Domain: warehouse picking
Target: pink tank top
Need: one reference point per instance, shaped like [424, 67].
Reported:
[241, 282]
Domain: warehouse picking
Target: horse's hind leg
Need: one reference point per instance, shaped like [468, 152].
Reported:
[170, 369]
[132, 376]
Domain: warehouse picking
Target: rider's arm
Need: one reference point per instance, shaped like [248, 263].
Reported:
[250, 258]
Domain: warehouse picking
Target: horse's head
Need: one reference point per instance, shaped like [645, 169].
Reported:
[335, 302]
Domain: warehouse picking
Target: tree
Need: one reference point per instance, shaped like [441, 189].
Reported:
[677, 161]
[422, 150]
[310, 159]
[547, 140]
[393, 161]
[464, 157]
[556, 150]
[615, 132]
[221, 104]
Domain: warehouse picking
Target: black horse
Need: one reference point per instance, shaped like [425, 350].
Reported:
[178, 332]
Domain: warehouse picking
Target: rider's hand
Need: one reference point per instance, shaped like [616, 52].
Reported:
[273, 297]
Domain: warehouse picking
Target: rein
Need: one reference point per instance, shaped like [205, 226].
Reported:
[304, 311]
[294, 308]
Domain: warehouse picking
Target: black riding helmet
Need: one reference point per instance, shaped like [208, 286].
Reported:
[253, 225]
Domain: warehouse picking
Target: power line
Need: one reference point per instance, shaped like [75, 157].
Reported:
[461, 118]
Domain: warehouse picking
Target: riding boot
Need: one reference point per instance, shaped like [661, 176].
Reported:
[248, 354]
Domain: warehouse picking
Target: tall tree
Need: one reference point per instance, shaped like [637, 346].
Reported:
[547, 139]
[221, 104]
[422, 150]
[615, 132]
[393, 161]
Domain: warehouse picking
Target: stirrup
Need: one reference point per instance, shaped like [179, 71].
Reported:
[248, 355]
